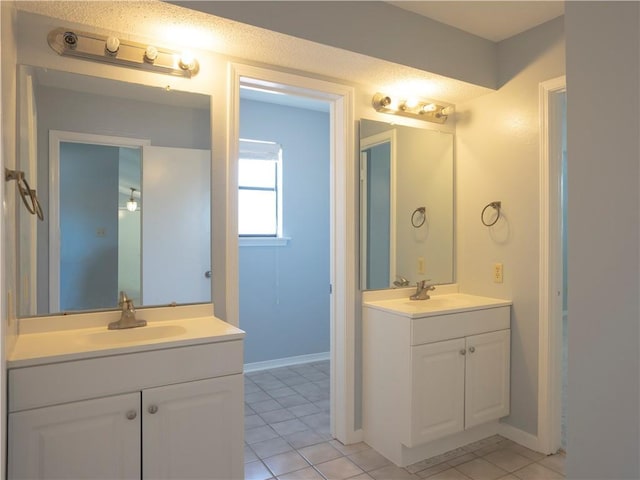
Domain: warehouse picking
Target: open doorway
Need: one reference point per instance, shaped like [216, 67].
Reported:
[341, 227]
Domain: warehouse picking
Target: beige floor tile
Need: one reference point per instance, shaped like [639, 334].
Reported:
[391, 472]
[462, 459]
[256, 471]
[362, 476]
[339, 469]
[450, 474]
[269, 448]
[554, 462]
[508, 460]
[429, 472]
[285, 463]
[527, 452]
[320, 453]
[480, 469]
[369, 460]
[304, 438]
[351, 448]
[535, 471]
[509, 477]
[308, 473]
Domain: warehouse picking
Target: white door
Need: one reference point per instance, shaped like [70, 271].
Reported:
[92, 439]
[487, 377]
[194, 430]
[437, 407]
[176, 225]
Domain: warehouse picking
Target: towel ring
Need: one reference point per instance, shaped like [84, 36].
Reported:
[420, 221]
[27, 194]
[496, 206]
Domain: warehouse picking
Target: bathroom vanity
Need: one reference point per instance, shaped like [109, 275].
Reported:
[163, 401]
[435, 373]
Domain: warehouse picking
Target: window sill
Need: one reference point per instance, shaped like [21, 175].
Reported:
[263, 241]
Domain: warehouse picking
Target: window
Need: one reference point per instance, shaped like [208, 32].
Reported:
[260, 189]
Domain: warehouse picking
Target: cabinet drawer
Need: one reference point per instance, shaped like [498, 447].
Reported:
[457, 325]
[42, 385]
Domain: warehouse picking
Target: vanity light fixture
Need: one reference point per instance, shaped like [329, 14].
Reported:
[132, 205]
[420, 109]
[126, 53]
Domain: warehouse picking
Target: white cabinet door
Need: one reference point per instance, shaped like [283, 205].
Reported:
[91, 439]
[194, 430]
[487, 377]
[437, 390]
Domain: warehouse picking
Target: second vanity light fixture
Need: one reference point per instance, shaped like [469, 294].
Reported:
[111, 49]
[420, 109]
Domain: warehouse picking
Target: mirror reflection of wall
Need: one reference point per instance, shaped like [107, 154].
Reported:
[102, 246]
[405, 168]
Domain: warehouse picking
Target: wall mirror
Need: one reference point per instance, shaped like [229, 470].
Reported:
[406, 207]
[122, 171]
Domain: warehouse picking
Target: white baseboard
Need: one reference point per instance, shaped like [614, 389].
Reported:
[286, 362]
[519, 436]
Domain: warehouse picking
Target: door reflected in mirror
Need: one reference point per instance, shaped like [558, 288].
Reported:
[406, 205]
[123, 172]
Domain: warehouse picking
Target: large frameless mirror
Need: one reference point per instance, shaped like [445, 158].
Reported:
[406, 207]
[123, 175]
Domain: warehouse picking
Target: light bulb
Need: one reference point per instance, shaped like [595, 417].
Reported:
[186, 60]
[132, 205]
[150, 54]
[429, 107]
[112, 45]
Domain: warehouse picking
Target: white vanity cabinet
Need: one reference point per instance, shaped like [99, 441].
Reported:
[458, 384]
[168, 413]
[431, 375]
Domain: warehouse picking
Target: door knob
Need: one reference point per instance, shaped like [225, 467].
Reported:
[152, 409]
[131, 414]
[463, 351]
[472, 349]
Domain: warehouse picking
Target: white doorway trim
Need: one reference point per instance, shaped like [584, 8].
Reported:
[342, 225]
[550, 269]
[55, 138]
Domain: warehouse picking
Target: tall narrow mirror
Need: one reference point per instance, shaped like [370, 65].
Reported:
[123, 175]
[406, 206]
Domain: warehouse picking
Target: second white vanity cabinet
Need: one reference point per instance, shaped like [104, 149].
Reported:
[458, 384]
[171, 412]
[432, 370]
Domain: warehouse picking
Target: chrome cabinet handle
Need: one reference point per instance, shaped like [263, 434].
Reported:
[131, 414]
[152, 409]
[472, 349]
[207, 274]
[463, 351]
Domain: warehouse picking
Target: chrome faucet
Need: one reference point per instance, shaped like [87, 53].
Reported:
[128, 316]
[422, 291]
[400, 281]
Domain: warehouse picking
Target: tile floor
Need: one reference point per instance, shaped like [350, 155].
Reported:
[287, 438]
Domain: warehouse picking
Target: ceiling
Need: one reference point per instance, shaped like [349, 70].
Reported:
[495, 21]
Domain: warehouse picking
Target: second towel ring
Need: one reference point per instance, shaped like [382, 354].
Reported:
[417, 223]
[28, 196]
[496, 206]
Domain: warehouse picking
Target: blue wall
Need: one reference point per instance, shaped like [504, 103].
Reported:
[88, 204]
[284, 290]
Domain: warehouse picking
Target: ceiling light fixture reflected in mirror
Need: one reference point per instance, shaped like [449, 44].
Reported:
[411, 107]
[132, 205]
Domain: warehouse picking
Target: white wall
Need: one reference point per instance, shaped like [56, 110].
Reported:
[603, 65]
[497, 159]
[8, 323]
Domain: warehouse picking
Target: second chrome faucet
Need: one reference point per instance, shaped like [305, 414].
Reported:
[422, 291]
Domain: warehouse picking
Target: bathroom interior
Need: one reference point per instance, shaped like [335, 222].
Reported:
[466, 198]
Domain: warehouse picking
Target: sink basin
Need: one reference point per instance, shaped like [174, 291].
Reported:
[134, 335]
[437, 304]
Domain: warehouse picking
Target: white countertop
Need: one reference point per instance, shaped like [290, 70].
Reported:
[40, 346]
[436, 305]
